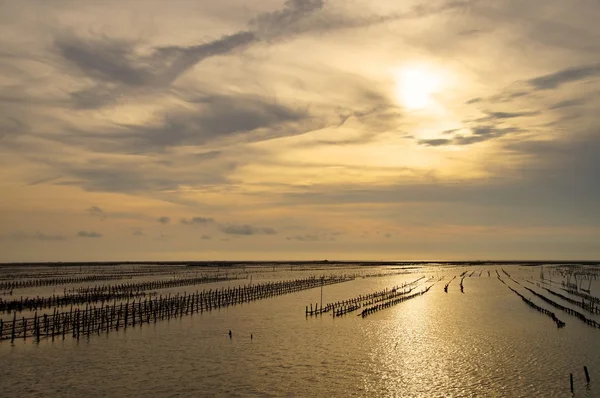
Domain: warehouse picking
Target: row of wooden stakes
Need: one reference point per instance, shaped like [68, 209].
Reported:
[67, 299]
[84, 322]
[358, 301]
[153, 285]
[26, 283]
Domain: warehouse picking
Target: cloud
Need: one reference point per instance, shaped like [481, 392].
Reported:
[156, 175]
[305, 238]
[507, 95]
[208, 155]
[118, 62]
[95, 211]
[89, 234]
[137, 232]
[117, 67]
[40, 236]
[556, 185]
[206, 237]
[319, 17]
[567, 103]
[275, 23]
[207, 118]
[245, 229]
[43, 181]
[539, 84]
[478, 134]
[183, 58]
[164, 220]
[103, 58]
[510, 115]
[214, 117]
[568, 75]
[436, 142]
[163, 237]
[114, 176]
[197, 221]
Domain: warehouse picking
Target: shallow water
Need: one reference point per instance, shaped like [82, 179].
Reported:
[485, 342]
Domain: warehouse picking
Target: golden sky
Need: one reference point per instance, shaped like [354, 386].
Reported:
[299, 129]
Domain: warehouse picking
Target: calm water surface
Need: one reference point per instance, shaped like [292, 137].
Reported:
[485, 342]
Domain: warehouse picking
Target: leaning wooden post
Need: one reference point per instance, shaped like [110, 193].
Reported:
[587, 375]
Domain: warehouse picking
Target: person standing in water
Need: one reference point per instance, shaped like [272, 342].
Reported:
[229, 333]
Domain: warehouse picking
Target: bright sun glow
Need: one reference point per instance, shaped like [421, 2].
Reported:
[415, 87]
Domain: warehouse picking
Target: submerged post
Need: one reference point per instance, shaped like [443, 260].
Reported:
[571, 379]
[12, 335]
[322, 281]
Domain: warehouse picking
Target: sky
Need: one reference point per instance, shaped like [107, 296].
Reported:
[299, 129]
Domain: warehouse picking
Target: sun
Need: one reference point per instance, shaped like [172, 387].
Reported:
[415, 87]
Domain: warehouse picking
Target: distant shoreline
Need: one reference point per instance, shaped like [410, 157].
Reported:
[295, 262]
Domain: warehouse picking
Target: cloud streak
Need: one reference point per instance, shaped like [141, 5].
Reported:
[164, 220]
[246, 230]
[89, 234]
[478, 134]
[564, 76]
[197, 221]
[39, 236]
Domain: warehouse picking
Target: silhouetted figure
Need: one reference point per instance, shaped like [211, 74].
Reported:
[251, 337]
[230, 334]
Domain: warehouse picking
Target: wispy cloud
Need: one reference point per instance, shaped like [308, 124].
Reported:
[478, 134]
[164, 220]
[197, 221]
[305, 238]
[95, 211]
[568, 75]
[245, 229]
[39, 236]
[89, 234]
